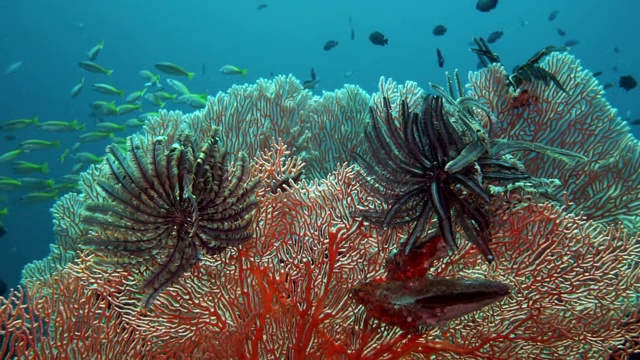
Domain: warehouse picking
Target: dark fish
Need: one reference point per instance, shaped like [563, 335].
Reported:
[262, 6]
[561, 32]
[3, 231]
[553, 15]
[440, 57]
[329, 45]
[494, 36]
[439, 30]
[486, 5]
[9, 137]
[204, 68]
[311, 84]
[597, 73]
[570, 43]
[609, 85]
[628, 82]
[635, 122]
[377, 38]
[353, 32]
[616, 50]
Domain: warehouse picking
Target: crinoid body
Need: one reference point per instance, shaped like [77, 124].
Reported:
[410, 171]
[437, 164]
[167, 208]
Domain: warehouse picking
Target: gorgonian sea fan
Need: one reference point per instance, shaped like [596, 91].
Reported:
[167, 208]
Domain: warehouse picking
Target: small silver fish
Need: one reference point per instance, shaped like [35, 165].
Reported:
[76, 89]
[233, 70]
[178, 86]
[93, 53]
[13, 67]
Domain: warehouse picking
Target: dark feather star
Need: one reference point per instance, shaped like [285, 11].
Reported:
[530, 71]
[166, 209]
[412, 170]
[436, 163]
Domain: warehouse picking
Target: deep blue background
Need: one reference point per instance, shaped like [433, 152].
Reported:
[286, 37]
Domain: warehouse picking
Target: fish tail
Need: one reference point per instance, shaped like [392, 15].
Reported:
[109, 72]
[244, 72]
[35, 120]
[190, 75]
[44, 168]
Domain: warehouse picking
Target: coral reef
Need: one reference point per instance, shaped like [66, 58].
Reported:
[287, 293]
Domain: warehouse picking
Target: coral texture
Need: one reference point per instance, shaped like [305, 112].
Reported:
[604, 188]
[286, 293]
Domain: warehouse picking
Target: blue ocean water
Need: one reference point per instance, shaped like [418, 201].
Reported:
[286, 37]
